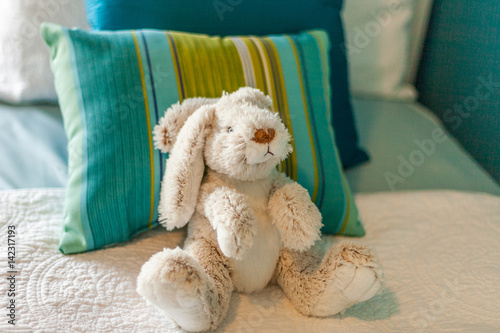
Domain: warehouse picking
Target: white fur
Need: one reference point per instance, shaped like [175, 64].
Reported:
[249, 224]
[254, 271]
[166, 131]
[178, 282]
[184, 171]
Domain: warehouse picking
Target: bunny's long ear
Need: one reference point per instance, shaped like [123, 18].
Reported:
[168, 127]
[185, 167]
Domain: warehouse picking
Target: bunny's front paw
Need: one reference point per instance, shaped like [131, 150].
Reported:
[235, 238]
[296, 217]
[234, 222]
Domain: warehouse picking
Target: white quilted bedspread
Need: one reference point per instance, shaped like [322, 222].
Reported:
[440, 252]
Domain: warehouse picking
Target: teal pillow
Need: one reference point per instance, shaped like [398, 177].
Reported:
[255, 17]
[113, 87]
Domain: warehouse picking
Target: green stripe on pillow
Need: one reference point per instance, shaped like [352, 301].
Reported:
[73, 235]
[113, 88]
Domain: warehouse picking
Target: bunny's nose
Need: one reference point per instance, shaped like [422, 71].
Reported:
[264, 135]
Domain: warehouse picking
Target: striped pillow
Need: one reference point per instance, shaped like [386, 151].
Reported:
[114, 86]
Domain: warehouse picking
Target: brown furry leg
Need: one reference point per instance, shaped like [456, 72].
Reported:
[217, 267]
[322, 287]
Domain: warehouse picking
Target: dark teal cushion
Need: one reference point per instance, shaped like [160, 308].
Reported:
[238, 17]
[459, 77]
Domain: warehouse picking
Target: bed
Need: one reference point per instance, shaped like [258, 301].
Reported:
[437, 241]
[430, 210]
[439, 250]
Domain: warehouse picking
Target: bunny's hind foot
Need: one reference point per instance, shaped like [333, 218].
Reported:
[176, 283]
[346, 275]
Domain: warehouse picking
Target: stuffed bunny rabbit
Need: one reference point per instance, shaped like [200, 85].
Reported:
[248, 223]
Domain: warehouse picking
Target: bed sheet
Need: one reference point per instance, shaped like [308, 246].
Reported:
[407, 152]
[33, 147]
[439, 250]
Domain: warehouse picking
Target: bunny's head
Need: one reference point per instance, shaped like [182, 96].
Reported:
[243, 140]
[238, 136]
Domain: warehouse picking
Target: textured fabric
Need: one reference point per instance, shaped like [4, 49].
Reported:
[459, 77]
[114, 87]
[238, 17]
[412, 151]
[378, 47]
[439, 251]
[25, 74]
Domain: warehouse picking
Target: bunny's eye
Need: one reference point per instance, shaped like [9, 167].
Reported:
[229, 129]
